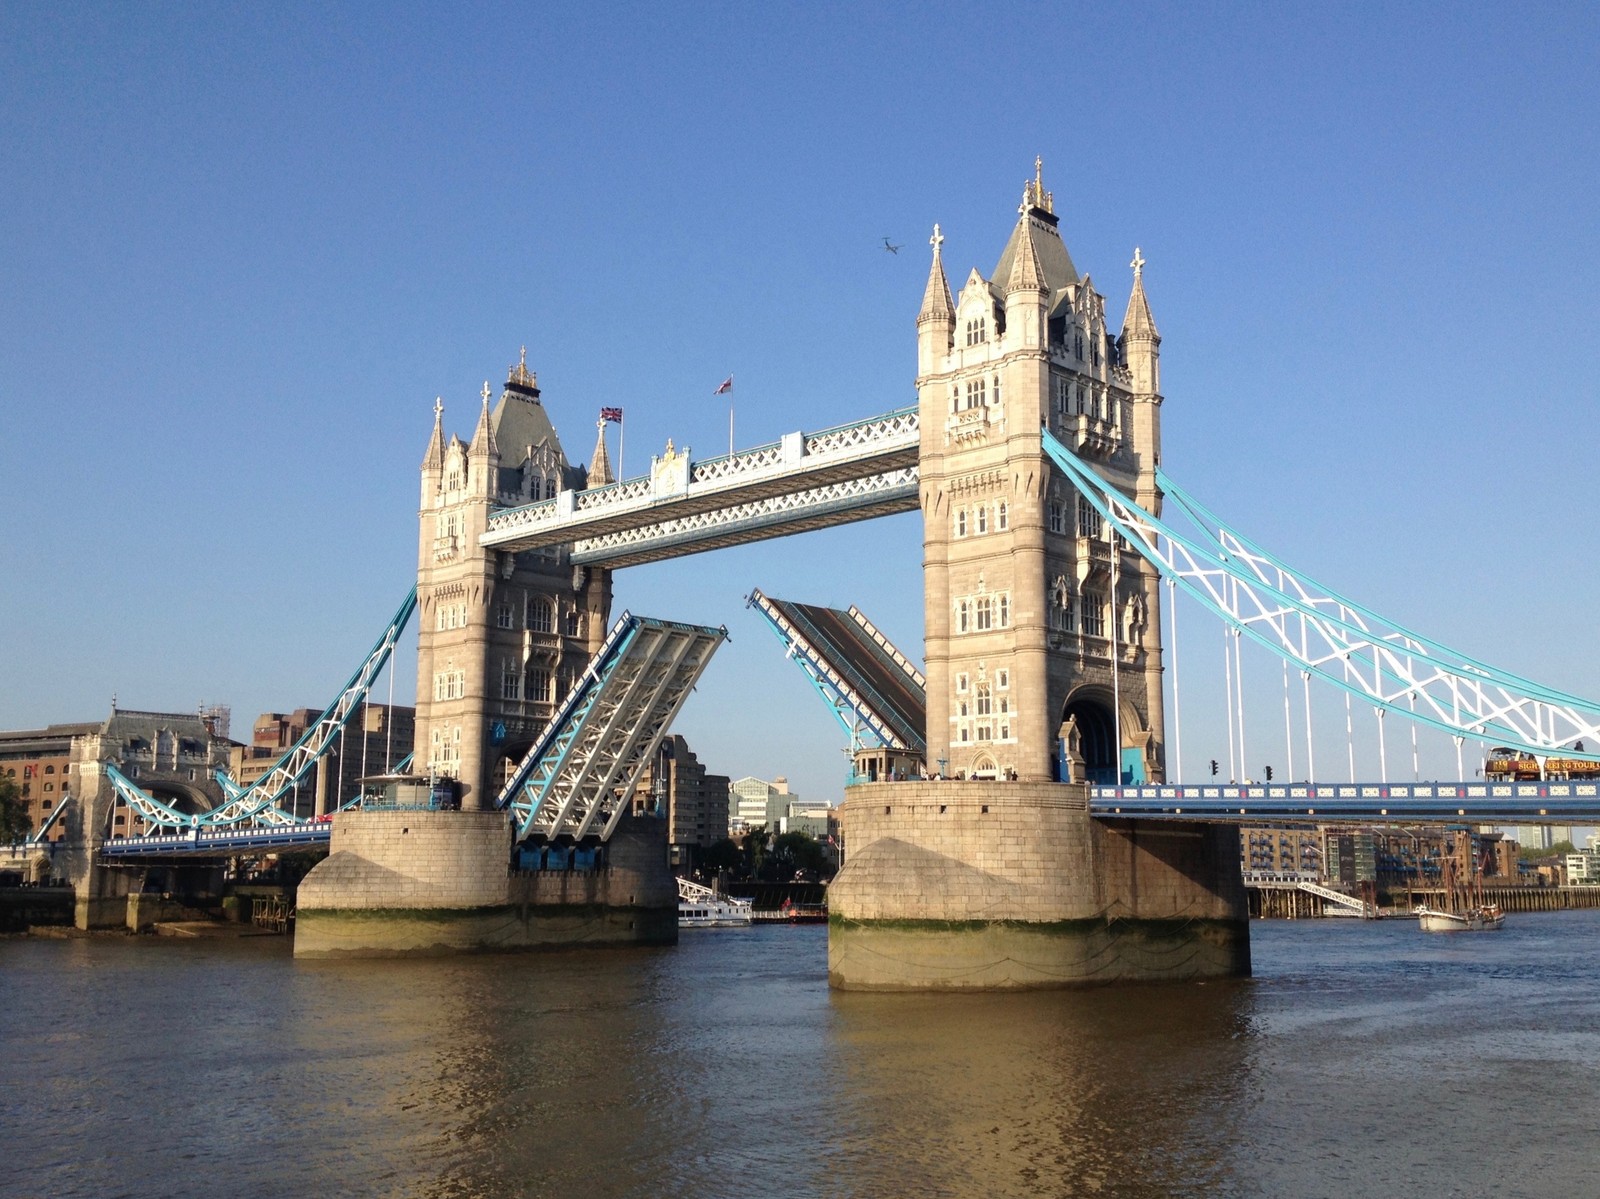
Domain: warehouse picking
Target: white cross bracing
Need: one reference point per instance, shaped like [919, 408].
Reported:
[805, 480]
[258, 804]
[1333, 638]
[579, 778]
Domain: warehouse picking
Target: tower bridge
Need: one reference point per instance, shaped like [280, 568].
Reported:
[1053, 846]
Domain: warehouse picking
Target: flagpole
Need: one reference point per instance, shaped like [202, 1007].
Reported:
[622, 438]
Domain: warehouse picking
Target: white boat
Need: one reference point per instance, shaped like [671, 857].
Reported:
[1484, 918]
[701, 907]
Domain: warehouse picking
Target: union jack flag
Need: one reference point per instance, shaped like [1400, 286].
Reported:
[611, 414]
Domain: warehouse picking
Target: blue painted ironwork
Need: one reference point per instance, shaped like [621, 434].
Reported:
[221, 842]
[1323, 634]
[259, 803]
[580, 775]
[1367, 803]
[38, 834]
[849, 695]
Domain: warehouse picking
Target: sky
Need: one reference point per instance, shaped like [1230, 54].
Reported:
[245, 247]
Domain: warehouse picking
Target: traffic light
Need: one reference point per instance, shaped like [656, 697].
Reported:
[1213, 768]
[1269, 774]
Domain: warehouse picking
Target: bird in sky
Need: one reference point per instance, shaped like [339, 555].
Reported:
[893, 249]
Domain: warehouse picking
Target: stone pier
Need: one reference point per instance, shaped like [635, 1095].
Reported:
[952, 885]
[407, 882]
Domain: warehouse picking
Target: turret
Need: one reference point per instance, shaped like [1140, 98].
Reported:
[600, 465]
[1141, 344]
[483, 455]
[936, 322]
[433, 460]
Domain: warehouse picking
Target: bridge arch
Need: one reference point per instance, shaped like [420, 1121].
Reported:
[1092, 706]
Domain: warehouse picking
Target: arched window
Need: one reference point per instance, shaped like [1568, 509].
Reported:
[540, 619]
[538, 684]
[1005, 609]
[985, 613]
[983, 519]
[1002, 517]
[962, 616]
[961, 523]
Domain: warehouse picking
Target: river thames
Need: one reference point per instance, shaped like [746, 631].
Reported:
[1362, 1059]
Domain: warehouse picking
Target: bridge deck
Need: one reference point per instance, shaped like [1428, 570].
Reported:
[1368, 803]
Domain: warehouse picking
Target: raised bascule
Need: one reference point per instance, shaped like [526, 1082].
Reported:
[1010, 819]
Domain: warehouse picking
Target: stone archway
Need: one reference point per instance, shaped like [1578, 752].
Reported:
[1097, 738]
[984, 767]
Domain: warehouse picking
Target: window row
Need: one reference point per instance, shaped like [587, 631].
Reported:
[1088, 613]
[978, 614]
[983, 731]
[978, 392]
[450, 616]
[981, 519]
[977, 331]
[1002, 680]
[1089, 523]
[449, 684]
[1078, 399]
[985, 704]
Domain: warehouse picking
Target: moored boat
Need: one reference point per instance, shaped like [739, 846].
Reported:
[701, 907]
[1482, 918]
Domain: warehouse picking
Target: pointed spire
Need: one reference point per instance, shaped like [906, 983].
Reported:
[936, 301]
[1138, 322]
[521, 379]
[434, 458]
[600, 466]
[1027, 272]
[483, 436]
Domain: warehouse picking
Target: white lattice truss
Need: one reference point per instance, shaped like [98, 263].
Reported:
[1332, 638]
[804, 473]
[579, 777]
[738, 524]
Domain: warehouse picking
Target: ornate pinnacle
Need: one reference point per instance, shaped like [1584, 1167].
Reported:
[1138, 263]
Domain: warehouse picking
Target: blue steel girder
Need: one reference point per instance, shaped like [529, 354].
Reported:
[836, 691]
[38, 834]
[260, 802]
[147, 806]
[579, 776]
[1476, 802]
[1339, 642]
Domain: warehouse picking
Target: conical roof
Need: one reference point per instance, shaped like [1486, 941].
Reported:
[1138, 322]
[434, 458]
[936, 301]
[483, 443]
[600, 465]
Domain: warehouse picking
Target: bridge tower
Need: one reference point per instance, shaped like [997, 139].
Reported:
[503, 635]
[1037, 626]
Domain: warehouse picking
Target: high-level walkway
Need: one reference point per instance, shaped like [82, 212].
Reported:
[802, 481]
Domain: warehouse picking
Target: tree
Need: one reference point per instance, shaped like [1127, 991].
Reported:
[14, 822]
[721, 855]
[795, 853]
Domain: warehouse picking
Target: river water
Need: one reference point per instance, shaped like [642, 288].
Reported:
[1362, 1059]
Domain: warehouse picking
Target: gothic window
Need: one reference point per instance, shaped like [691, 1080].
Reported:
[574, 623]
[961, 682]
[1061, 605]
[540, 619]
[984, 613]
[963, 614]
[985, 700]
[961, 523]
[1092, 612]
[549, 489]
[539, 684]
[1002, 680]
[1077, 346]
[1004, 601]
[976, 389]
[1082, 406]
[510, 679]
[1088, 519]
[983, 518]
[1063, 394]
[1058, 519]
[997, 390]
[453, 480]
[961, 707]
[1001, 517]
[503, 618]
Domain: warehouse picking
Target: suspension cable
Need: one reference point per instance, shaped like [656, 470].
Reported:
[1177, 711]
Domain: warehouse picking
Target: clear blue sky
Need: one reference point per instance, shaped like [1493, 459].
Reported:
[244, 247]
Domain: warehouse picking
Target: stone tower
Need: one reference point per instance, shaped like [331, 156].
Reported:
[503, 636]
[1040, 631]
